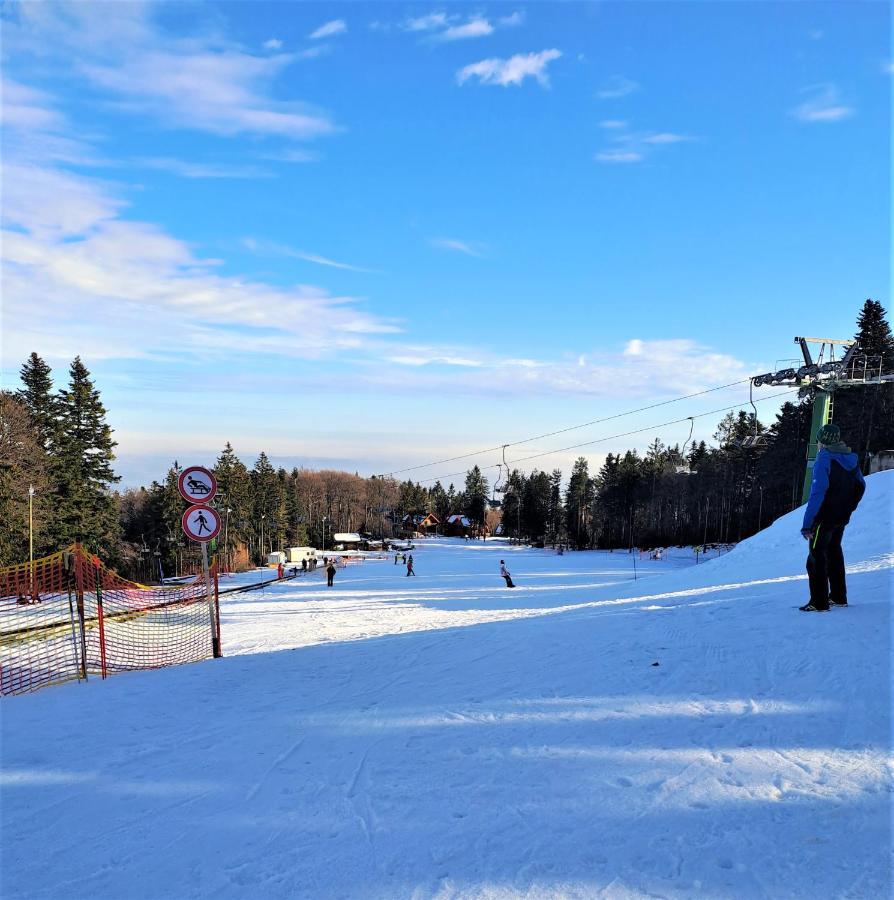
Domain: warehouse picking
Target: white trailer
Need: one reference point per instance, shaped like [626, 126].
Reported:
[296, 554]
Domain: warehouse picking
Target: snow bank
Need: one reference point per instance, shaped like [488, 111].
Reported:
[780, 550]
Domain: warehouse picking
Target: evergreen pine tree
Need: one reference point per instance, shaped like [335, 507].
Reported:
[556, 517]
[874, 334]
[86, 508]
[440, 503]
[512, 504]
[266, 506]
[475, 495]
[234, 490]
[23, 463]
[37, 395]
[578, 502]
[865, 413]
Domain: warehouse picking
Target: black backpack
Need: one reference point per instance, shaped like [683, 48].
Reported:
[843, 495]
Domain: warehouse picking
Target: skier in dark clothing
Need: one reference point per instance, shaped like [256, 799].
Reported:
[504, 572]
[330, 574]
[836, 489]
[410, 566]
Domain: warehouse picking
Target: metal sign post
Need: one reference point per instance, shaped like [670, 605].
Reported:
[201, 523]
[215, 636]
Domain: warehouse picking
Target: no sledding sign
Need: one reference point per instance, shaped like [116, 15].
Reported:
[201, 523]
[197, 484]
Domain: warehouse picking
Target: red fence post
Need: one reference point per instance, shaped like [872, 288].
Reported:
[101, 619]
[79, 595]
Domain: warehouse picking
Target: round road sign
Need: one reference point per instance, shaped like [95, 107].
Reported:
[201, 523]
[197, 484]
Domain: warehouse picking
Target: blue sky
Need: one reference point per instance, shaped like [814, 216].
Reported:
[373, 235]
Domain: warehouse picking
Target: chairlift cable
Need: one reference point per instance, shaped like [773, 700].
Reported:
[549, 434]
[612, 437]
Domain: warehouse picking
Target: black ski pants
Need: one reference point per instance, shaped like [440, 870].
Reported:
[825, 566]
[509, 581]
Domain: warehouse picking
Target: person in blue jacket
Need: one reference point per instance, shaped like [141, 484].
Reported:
[836, 489]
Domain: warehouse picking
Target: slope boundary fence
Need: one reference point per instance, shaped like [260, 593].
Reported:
[67, 616]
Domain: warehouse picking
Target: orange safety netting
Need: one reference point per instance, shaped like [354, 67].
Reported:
[68, 616]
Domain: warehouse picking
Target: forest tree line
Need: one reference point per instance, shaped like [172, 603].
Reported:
[59, 442]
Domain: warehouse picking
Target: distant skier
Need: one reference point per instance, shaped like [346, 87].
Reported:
[304, 565]
[396, 558]
[835, 491]
[279, 570]
[410, 566]
[505, 573]
[330, 574]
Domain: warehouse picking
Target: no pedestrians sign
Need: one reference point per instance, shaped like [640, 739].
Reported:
[201, 523]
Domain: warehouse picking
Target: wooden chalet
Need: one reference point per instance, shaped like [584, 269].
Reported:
[421, 524]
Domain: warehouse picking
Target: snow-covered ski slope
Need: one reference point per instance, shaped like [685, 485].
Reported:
[442, 736]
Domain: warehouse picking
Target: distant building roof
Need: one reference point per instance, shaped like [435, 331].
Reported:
[420, 519]
[462, 520]
[347, 538]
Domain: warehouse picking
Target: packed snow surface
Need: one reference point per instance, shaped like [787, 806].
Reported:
[687, 734]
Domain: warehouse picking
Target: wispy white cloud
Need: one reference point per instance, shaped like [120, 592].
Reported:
[637, 368]
[612, 124]
[618, 86]
[665, 137]
[515, 70]
[330, 29]
[458, 246]
[291, 155]
[79, 277]
[201, 83]
[443, 27]
[270, 248]
[273, 44]
[512, 20]
[200, 170]
[223, 92]
[34, 129]
[620, 156]
[314, 52]
[429, 22]
[634, 146]
[823, 105]
[434, 360]
[477, 27]
[75, 269]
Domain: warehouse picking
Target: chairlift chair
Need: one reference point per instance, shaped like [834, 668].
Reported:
[755, 440]
[499, 486]
[684, 468]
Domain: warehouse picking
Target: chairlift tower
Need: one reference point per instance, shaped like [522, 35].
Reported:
[819, 379]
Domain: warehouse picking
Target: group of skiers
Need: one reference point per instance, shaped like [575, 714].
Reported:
[406, 560]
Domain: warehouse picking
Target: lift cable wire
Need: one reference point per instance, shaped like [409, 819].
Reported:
[712, 412]
[539, 437]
